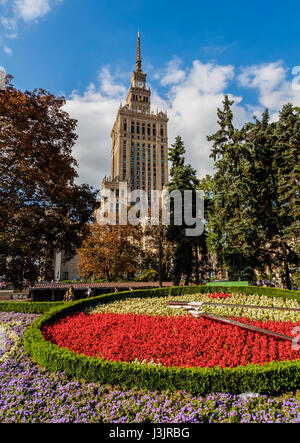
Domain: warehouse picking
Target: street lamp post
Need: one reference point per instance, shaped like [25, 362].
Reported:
[160, 256]
[156, 221]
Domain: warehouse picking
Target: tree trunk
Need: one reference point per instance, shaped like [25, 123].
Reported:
[160, 257]
[176, 275]
[108, 275]
[188, 276]
[197, 266]
[288, 283]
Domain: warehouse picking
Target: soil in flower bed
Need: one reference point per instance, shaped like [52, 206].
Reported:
[171, 341]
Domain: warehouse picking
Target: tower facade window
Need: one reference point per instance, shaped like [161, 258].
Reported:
[139, 138]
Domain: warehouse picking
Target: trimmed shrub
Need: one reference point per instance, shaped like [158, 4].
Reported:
[42, 307]
[28, 307]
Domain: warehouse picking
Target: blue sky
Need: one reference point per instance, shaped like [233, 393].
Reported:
[194, 52]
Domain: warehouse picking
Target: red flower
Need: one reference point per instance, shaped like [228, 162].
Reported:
[219, 295]
[172, 341]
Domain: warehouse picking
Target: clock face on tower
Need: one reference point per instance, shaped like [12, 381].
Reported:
[140, 84]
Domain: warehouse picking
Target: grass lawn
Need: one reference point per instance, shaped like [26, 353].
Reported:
[228, 283]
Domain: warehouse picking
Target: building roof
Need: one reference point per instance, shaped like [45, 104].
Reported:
[133, 285]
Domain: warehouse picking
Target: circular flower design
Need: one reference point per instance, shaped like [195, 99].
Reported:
[9, 340]
[181, 341]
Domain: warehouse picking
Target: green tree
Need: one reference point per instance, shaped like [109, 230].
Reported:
[275, 149]
[202, 245]
[230, 233]
[183, 177]
[254, 216]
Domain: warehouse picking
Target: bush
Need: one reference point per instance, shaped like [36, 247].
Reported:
[28, 307]
[270, 379]
[149, 275]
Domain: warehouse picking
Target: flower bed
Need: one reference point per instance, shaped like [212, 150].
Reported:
[271, 377]
[30, 394]
[218, 295]
[171, 341]
[159, 306]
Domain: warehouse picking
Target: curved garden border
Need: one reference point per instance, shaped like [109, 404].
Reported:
[270, 379]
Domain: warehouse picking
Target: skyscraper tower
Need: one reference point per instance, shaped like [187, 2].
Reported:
[139, 153]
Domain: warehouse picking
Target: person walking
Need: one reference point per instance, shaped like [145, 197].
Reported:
[66, 296]
[89, 292]
[71, 294]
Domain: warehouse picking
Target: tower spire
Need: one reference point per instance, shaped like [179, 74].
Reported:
[138, 54]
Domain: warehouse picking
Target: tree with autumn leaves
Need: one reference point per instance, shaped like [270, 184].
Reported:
[111, 252]
[118, 252]
[42, 209]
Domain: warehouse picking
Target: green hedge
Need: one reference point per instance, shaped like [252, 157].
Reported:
[28, 307]
[270, 379]
[42, 307]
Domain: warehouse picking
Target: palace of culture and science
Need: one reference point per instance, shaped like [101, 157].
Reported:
[139, 155]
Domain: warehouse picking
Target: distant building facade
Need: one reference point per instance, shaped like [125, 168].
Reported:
[65, 270]
[139, 154]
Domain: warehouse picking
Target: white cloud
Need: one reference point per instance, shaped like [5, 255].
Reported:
[265, 76]
[209, 78]
[11, 35]
[191, 101]
[173, 74]
[30, 10]
[271, 81]
[108, 84]
[7, 50]
[9, 23]
[95, 111]
[15, 11]
[191, 104]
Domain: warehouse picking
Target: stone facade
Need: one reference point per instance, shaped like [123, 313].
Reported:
[139, 153]
[66, 270]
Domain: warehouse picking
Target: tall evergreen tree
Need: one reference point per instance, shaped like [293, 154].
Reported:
[183, 177]
[202, 250]
[274, 199]
[229, 231]
[254, 220]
